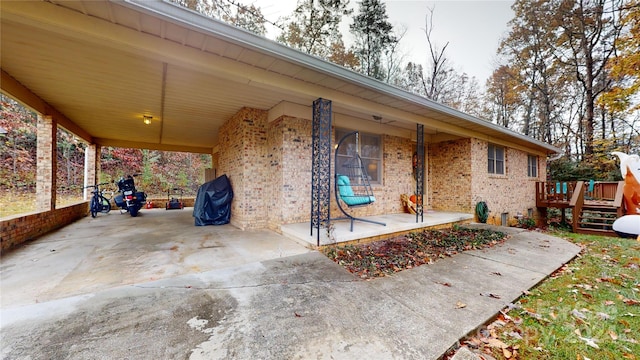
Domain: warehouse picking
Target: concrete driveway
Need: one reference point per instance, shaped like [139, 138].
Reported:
[119, 303]
[115, 249]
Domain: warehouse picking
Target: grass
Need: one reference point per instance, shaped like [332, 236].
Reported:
[589, 309]
[16, 202]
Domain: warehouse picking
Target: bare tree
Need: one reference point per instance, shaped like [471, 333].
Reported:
[439, 69]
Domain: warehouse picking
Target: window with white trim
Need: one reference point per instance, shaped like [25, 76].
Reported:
[495, 156]
[532, 166]
[370, 150]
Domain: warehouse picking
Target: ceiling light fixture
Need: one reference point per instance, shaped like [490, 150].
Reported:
[147, 119]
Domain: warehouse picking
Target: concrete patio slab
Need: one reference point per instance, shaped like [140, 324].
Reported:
[295, 306]
[394, 223]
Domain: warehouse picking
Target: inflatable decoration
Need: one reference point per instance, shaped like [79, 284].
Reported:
[630, 170]
[629, 225]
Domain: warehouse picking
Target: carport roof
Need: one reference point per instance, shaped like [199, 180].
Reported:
[100, 66]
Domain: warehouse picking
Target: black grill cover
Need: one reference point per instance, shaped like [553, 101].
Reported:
[213, 202]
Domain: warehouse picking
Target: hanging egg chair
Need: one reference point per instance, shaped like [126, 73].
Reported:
[352, 185]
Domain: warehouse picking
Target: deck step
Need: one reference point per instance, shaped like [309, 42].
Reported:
[597, 218]
[594, 224]
[602, 214]
[600, 208]
[601, 232]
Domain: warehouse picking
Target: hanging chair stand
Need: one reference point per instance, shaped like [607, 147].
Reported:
[352, 186]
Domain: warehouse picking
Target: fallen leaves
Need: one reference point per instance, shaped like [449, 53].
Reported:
[488, 344]
[590, 342]
[491, 295]
[389, 256]
[630, 301]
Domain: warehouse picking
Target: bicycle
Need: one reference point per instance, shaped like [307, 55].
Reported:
[99, 203]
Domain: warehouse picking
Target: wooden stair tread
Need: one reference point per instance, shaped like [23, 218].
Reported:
[595, 220]
[591, 231]
[600, 208]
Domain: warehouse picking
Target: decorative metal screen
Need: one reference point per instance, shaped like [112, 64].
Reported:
[420, 174]
[321, 166]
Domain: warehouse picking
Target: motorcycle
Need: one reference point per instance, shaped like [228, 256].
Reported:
[129, 199]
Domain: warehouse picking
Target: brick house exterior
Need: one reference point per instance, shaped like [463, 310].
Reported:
[211, 88]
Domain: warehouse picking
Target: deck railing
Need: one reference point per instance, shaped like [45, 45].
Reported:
[554, 193]
[605, 190]
[550, 193]
[595, 197]
[576, 203]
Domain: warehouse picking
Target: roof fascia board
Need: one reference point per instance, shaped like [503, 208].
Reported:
[242, 37]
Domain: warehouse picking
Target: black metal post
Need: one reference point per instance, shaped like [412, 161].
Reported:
[321, 166]
[420, 174]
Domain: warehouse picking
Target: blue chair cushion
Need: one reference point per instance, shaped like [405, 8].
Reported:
[347, 195]
[344, 186]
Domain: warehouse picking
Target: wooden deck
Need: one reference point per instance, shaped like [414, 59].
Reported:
[594, 208]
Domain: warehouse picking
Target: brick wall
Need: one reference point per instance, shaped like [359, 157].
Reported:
[513, 192]
[449, 174]
[22, 228]
[269, 165]
[271, 162]
[398, 172]
[289, 159]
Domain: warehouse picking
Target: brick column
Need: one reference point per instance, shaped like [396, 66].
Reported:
[46, 164]
[242, 158]
[91, 156]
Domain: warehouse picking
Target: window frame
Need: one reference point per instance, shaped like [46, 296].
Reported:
[340, 132]
[494, 161]
[532, 166]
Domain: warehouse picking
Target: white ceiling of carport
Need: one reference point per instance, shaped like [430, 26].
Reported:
[104, 64]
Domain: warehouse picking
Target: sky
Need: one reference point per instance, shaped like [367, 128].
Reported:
[473, 29]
